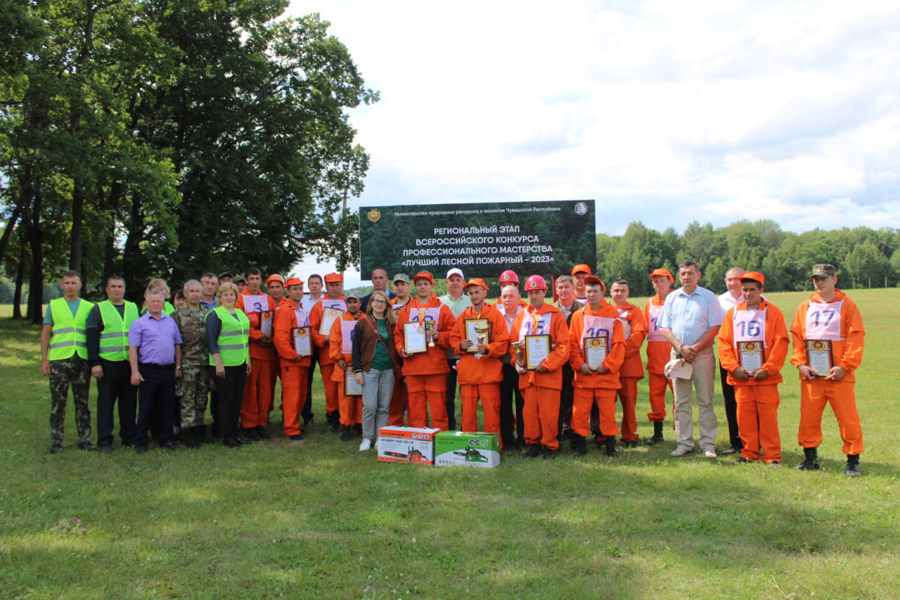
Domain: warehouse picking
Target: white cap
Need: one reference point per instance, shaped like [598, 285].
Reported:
[678, 368]
[455, 271]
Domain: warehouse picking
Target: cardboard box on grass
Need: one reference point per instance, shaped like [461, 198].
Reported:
[467, 449]
[406, 444]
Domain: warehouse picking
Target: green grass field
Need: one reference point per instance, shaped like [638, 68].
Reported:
[321, 520]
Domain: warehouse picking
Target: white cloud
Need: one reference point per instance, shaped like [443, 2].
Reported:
[663, 111]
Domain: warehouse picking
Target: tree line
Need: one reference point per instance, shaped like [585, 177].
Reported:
[864, 257]
[151, 136]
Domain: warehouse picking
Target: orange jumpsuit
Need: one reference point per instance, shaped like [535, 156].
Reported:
[847, 353]
[596, 387]
[294, 368]
[541, 390]
[258, 391]
[340, 348]
[757, 401]
[400, 398]
[480, 376]
[634, 330]
[426, 372]
[326, 364]
[658, 350]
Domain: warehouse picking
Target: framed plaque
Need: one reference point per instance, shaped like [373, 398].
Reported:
[750, 355]
[537, 348]
[266, 322]
[329, 316]
[595, 351]
[414, 340]
[351, 388]
[478, 331]
[819, 357]
[302, 340]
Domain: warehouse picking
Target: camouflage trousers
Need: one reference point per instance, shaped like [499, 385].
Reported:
[192, 395]
[72, 372]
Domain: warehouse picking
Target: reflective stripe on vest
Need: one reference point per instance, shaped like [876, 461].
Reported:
[68, 335]
[114, 337]
[234, 338]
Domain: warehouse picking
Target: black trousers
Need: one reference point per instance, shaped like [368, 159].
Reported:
[306, 412]
[451, 395]
[510, 421]
[156, 397]
[229, 392]
[115, 385]
[730, 410]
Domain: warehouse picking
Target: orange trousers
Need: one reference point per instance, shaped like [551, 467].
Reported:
[427, 392]
[658, 384]
[628, 397]
[606, 407]
[294, 385]
[258, 393]
[757, 416]
[842, 397]
[332, 388]
[351, 407]
[490, 404]
[541, 416]
[399, 402]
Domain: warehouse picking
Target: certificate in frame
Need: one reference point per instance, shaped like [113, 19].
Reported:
[819, 357]
[414, 341]
[537, 348]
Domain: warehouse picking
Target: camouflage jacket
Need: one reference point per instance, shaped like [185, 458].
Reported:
[192, 325]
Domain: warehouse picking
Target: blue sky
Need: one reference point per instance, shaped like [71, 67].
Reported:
[664, 112]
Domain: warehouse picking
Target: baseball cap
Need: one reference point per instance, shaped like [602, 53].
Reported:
[581, 269]
[476, 281]
[275, 277]
[662, 273]
[455, 271]
[754, 276]
[334, 278]
[424, 275]
[352, 296]
[823, 270]
[401, 277]
[293, 281]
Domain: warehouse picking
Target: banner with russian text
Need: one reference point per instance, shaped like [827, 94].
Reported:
[545, 238]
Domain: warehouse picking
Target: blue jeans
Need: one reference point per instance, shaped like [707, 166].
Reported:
[378, 387]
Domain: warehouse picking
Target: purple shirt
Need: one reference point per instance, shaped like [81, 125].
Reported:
[155, 339]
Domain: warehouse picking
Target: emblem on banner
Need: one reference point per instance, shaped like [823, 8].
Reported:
[581, 208]
[374, 215]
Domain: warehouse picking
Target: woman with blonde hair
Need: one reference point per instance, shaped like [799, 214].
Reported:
[374, 363]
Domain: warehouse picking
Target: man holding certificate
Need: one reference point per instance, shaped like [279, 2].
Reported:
[480, 337]
[753, 344]
[422, 337]
[293, 340]
[340, 348]
[259, 388]
[634, 330]
[321, 318]
[596, 355]
[828, 338]
[541, 347]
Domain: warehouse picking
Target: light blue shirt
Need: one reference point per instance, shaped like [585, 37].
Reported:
[690, 316]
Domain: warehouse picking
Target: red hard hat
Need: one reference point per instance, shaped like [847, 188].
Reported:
[535, 282]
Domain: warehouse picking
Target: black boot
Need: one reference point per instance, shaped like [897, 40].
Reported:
[189, 437]
[811, 462]
[346, 433]
[657, 434]
[852, 465]
[579, 448]
[334, 419]
[611, 447]
[533, 451]
[200, 434]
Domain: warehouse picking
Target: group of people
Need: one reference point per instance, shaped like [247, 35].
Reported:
[543, 372]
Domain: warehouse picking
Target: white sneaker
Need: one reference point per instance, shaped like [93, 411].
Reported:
[365, 445]
[710, 454]
[682, 450]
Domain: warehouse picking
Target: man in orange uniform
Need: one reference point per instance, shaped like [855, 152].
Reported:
[333, 299]
[294, 367]
[597, 325]
[658, 350]
[259, 389]
[400, 397]
[634, 330]
[480, 369]
[340, 343]
[426, 372]
[541, 385]
[828, 338]
[753, 344]
[275, 289]
[579, 272]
